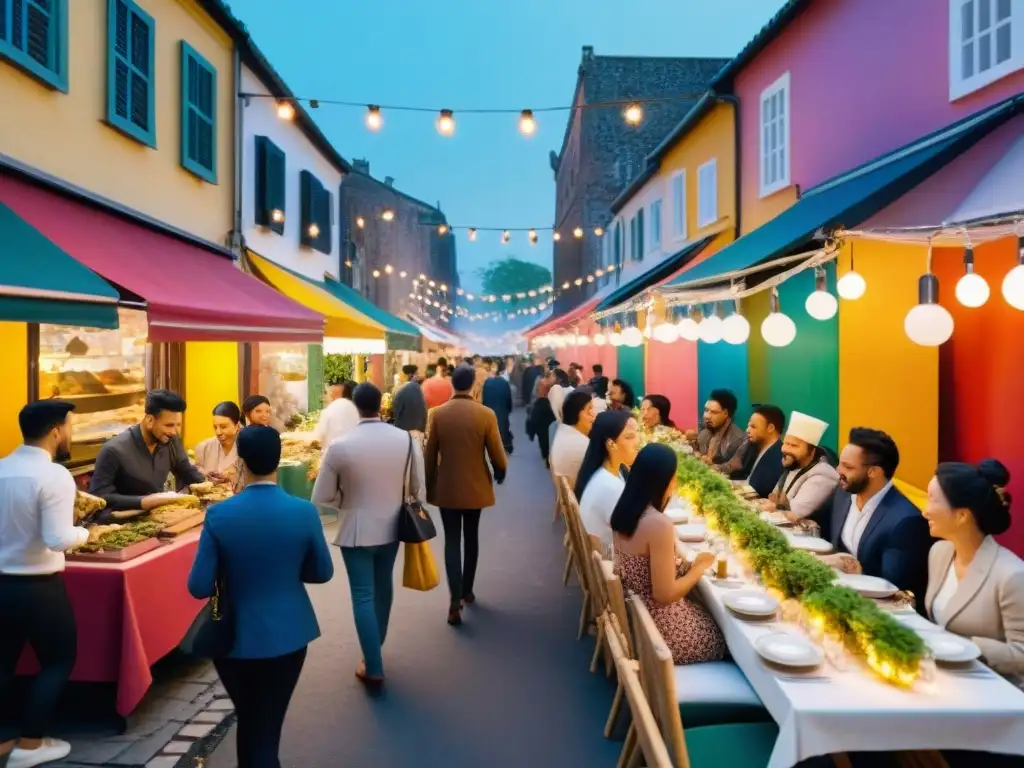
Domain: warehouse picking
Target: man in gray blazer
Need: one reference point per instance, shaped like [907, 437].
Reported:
[363, 475]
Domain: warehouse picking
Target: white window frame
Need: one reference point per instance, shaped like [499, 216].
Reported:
[678, 209]
[959, 86]
[655, 224]
[779, 86]
[707, 193]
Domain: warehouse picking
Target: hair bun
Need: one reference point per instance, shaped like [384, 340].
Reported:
[995, 472]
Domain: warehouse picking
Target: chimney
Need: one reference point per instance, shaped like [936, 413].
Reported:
[361, 165]
[588, 52]
[389, 181]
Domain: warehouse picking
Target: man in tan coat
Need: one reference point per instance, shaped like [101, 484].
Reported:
[461, 435]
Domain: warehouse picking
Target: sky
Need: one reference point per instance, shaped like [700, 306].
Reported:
[466, 54]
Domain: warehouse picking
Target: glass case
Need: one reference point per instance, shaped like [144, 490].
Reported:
[284, 380]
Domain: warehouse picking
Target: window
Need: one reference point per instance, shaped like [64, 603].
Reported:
[986, 43]
[34, 36]
[775, 136]
[618, 244]
[655, 219]
[640, 235]
[707, 193]
[679, 205]
[130, 97]
[317, 212]
[270, 185]
[198, 114]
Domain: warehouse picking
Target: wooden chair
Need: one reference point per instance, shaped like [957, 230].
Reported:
[711, 693]
[582, 546]
[559, 512]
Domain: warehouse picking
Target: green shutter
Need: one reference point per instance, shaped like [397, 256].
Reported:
[315, 377]
[130, 71]
[270, 184]
[640, 235]
[326, 203]
[198, 114]
[315, 202]
[33, 36]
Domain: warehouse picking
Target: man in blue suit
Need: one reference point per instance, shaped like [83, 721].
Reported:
[872, 520]
[497, 395]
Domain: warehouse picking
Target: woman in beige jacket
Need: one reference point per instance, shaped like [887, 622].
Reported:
[975, 586]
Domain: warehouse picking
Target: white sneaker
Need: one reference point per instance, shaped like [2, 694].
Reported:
[51, 749]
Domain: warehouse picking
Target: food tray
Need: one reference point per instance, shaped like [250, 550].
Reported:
[116, 555]
[182, 526]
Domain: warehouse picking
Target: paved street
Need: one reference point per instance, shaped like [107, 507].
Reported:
[511, 687]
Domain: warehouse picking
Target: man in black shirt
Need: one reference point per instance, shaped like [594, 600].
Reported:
[408, 405]
[132, 468]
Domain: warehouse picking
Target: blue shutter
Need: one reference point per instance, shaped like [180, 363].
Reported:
[130, 71]
[198, 114]
[270, 184]
[33, 35]
[640, 235]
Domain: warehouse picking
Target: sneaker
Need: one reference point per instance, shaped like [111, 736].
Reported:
[51, 749]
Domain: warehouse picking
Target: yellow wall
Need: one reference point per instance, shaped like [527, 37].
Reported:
[886, 381]
[13, 383]
[64, 134]
[211, 377]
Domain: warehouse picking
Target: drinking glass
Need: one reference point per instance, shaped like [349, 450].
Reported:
[835, 651]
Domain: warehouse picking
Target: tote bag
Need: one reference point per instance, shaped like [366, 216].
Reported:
[419, 571]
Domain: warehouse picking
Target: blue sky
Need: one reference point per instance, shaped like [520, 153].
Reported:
[474, 54]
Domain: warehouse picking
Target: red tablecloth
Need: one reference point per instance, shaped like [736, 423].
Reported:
[129, 615]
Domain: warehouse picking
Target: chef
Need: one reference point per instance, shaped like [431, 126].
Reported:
[808, 480]
[132, 468]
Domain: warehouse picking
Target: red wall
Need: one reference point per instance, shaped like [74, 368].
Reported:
[672, 372]
[981, 374]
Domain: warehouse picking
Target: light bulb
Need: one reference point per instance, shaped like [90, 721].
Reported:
[556, 236]
[600, 339]
[688, 329]
[582, 341]
[710, 329]
[360, 222]
[778, 329]
[388, 215]
[851, 286]
[665, 332]
[443, 229]
[632, 337]
[929, 323]
[1013, 287]
[314, 230]
[403, 274]
[578, 281]
[373, 118]
[389, 269]
[285, 110]
[505, 236]
[471, 233]
[972, 290]
[578, 232]
[277, 215]
[821, 305]
[615, 339]
[735, 329]
[376, 273]
[634, 114]
[527, 125]
[533, 237]
[598, 232]
[446, 122]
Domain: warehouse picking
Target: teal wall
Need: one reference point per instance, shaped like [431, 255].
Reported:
[723, 366]
[631, 368]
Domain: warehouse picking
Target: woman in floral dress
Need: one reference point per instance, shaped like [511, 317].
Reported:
[645, 559]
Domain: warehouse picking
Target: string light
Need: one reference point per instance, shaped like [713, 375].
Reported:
[388, 269]
[971, 289]
[374, 120]
[471, 232]
[402, 274]
[1013, 283]
[360, 222]
[285, 110]
[598, 231]
[527, 125]
[556, 236]
[578, 233]
[314, 230]
[446, 122]
[376, 273]
[277, 215]
[443, 229]
[533, 237]
[634, 113]
[388, 215]
[505, 237]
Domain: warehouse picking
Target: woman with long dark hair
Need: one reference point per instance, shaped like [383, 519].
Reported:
[621, 396]
[614, 442]
[654, 410]
[217, 456]
[542, 417]
[645, 559]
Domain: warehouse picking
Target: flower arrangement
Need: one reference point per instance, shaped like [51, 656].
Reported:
[892, 650]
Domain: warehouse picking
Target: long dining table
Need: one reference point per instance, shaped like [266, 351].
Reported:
[845, 707]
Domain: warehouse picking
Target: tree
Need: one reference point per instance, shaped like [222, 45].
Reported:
[338, 368]
[512, 275]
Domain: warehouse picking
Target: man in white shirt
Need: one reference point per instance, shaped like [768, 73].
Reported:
[572, 435]
[338, 417]
[808, 480]
[37, 524]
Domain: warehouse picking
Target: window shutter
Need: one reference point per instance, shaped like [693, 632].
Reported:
[316, 205]
[307, 197]
[130, 96]
[33, 37]
[198, 114]
[640, 235]
[324, 216]
[270, 184]
[315, 378]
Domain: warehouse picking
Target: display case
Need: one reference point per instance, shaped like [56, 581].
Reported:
[284, 380]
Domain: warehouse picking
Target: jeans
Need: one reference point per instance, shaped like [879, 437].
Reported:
[34, 610]
[261, 690]
[460, 576]
[371, 581]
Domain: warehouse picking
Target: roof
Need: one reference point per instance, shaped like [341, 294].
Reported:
[264, 70]
[723, 81]
[852, 197]
[404, 195]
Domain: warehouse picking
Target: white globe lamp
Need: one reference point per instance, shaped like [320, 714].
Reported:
[710, 329]
[615, 339]
[600, 339]
[1013, 283]
[688, 329]
[851, 286]
[735, 329]
[665, 332]
[778, 330]
[632, 337]
[929, 323]
[820, 304]
[971, 290]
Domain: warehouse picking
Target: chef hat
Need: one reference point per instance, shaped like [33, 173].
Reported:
[806, 428]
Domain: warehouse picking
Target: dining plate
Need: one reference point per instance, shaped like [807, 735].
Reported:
[810, 544]
[869, 586]
[775, 518]
[750, 603]
[950, 648]
[694, 532]
[789, 650]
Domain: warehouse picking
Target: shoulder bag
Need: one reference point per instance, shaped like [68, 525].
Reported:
[414, 524]
[212, 634]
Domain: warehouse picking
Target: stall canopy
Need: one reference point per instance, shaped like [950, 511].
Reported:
[40, 283]
[852, 197]
[436, 335]
[190, 294]
[657, 274]
[400, 334]
[1000, 192]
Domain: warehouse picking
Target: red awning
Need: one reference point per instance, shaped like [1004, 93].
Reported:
[569, 317]
[191, 294]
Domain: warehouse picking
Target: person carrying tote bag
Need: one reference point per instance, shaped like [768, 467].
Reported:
[415, 530]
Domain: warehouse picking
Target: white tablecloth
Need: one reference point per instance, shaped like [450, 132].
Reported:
[855, 711]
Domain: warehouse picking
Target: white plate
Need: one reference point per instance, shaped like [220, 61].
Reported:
[749, 603]
[676, 514]
[693, 533]
[810, 544]
[775, 518]
[869, 586]
[789, 650]
[950, 648]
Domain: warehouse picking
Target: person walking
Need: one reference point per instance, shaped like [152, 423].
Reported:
[462, 436]
[497, 395]
[263, 545]
[408, 405]
[364, 475]
[37, 524]
[338, 418]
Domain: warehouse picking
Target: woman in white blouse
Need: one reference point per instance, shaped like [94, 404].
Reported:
[975, 586]
[614, 443]
[217, 456]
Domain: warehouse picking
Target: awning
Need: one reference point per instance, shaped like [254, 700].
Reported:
[852, 197]
[40, 283]
[400, 334]
[657, 274]
[999, 193]
[190, 294]
[437, 335]
[340, 320]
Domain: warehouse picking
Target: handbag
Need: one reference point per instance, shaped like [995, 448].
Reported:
[414, 524]
[212, 634]
[419, 571]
